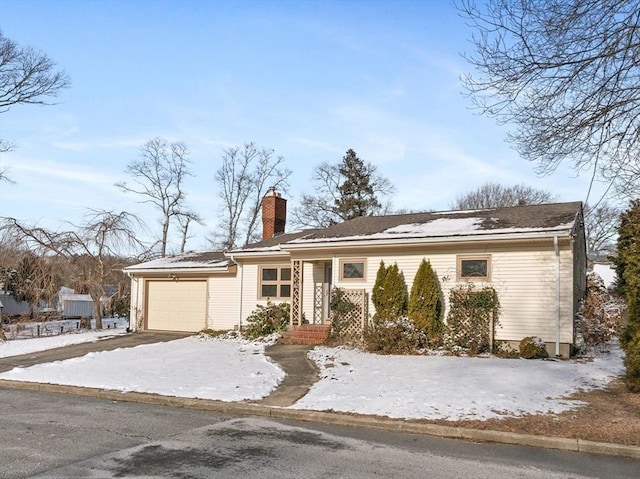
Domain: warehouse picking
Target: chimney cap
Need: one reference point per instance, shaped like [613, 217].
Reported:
[272, 192]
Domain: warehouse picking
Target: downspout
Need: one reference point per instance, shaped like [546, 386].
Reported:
[556, 248]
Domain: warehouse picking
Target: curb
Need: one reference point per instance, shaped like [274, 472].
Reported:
[337, 418]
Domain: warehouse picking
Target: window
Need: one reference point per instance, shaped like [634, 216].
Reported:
[275, 282]
[352, 269]
[474, 267]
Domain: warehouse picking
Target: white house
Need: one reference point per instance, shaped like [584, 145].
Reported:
[534, 256]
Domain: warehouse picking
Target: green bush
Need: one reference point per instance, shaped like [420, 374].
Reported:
[425, 300]
[627, 261]
[469, 319]
[266, 320]
[533, 347]
[397, 336]
[389, 294]
[632, 364]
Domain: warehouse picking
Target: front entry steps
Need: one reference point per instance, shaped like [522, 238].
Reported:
[312, 334]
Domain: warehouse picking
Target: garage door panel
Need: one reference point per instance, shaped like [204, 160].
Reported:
[176, 305]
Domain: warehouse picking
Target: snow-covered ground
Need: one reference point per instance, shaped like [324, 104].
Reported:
[431, 387]
[449, 387]
[23, 337]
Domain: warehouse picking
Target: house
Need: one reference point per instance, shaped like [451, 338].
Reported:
[534, 257]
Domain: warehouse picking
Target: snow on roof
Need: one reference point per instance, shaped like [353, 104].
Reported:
[190, 260]
[75, 297]
[441, 227]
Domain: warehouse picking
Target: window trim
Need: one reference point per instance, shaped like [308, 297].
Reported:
[461, 258]
[344, 261]
[277, 282]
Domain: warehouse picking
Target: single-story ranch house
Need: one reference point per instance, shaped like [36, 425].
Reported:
[534, 257]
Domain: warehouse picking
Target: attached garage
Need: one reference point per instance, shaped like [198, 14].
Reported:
[176, 305]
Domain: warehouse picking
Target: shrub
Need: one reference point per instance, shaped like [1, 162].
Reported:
[425, 300]
[533, 347]
[632, 364]
[396, 336]
[266, 320]
[627, 261]
[469, 320]
[389, 293]
[600, 314]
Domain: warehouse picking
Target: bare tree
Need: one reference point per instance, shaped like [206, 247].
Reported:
[27, 76]
[185, 220]
[601, 228]
[245, 175]
[495, 195]
[88, 249]
[159, 178]
[343, 191]
[566, 74]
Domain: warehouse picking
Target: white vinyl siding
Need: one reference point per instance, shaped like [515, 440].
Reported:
[224, 301]
[523, 276]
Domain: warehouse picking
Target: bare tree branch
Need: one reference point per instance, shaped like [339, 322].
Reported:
[566, 74]
[88, 249]
[158, 177]
[495, 195]
[245, 175]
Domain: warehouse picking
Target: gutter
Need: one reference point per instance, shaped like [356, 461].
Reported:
[135, 309]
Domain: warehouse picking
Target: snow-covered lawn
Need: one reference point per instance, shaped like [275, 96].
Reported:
[24, 340]
[430, 387]
[452, 388]
[200, 367]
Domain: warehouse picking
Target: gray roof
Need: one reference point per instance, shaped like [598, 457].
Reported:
[543, 219]
[508, 220]
[190, 260]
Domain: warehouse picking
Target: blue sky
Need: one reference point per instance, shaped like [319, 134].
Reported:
[309, 79]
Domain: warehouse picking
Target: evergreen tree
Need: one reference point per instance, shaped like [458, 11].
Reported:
[391, 294]
[627, 263]
[425, 303]
[377, 294]
[344, 191]
[357, 194]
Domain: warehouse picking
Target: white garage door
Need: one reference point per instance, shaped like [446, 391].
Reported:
[176, 305]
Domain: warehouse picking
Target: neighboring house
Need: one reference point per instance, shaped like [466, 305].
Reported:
[534, 256]
[11, 307]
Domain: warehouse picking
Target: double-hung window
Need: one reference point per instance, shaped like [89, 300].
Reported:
[275, 282]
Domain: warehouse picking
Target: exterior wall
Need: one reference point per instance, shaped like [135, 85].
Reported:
[136, 308]
[223, 310]
[523, 275]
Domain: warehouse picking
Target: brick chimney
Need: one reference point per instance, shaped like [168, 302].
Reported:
[274, 214]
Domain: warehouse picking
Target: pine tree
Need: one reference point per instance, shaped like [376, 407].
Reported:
[357, 192]
[425, 303]
[377, 294]
[627, 263]
[390, 293]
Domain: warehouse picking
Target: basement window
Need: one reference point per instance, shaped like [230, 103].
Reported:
[474, 268]
[275, 282]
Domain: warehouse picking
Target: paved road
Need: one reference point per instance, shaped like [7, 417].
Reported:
[54, 435]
